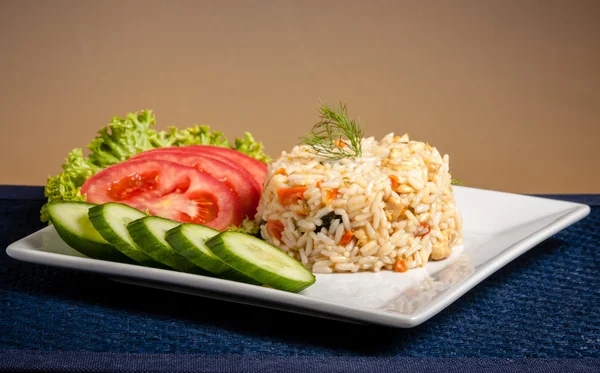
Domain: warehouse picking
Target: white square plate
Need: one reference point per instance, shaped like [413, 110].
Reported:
[498, 227]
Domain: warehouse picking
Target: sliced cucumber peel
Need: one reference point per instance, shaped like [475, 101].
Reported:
[149, 235]
[70, 219]
[189, 240]
[110, 220]
[261, 261]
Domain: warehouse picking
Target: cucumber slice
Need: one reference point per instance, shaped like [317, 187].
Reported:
[189, 240]
[261, 261]
[70, 219]
[149, 235]
[110, 220]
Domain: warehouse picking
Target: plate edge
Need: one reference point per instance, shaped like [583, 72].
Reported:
[579, 212]
[513, 252]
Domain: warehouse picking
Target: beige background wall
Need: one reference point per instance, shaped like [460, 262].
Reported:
[510, 89]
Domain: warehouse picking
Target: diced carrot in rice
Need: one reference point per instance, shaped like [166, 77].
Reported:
[346, 238]
[400, 266]
[275, 229]
[328, 195]
[288, 196]
[394, 181]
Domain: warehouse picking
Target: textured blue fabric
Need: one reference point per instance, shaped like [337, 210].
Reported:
[110, 362]
[22, 192]
[543, 305]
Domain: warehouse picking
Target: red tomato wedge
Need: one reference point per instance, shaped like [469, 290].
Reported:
[166, 189]
[234, 179]
[256, 168]
[247, 175]
[185, 149]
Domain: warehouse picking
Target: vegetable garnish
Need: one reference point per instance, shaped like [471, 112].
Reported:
[249, 226]
[125, 137]
[335, 136]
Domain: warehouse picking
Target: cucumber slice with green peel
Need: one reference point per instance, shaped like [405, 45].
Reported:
[149, 235]
[261, 261]
[110, 220]
[70, 219]
[189, 240]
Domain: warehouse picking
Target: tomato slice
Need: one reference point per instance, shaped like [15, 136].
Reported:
[256, 168]
[235, 180]
[193, 149]
[166, 189]
[251, 179]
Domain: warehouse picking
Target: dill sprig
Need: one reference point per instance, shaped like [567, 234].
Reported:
[335, 136]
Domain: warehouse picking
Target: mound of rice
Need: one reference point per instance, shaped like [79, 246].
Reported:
[393, 208]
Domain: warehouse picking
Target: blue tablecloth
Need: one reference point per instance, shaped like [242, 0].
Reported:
[539, 313]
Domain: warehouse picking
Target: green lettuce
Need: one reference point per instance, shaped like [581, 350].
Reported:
[125, 137]
[197, 135]
[66, 186]
[248, 226]
[249, 146]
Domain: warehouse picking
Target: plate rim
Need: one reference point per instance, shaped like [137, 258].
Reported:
[293, 302]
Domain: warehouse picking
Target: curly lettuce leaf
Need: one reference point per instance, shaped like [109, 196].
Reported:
[251, 147]
[125, 137]
[66, 186]
[247, 226]
[196, 135]
[204, 135]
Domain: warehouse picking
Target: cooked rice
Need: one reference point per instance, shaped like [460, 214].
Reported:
[413, 223]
